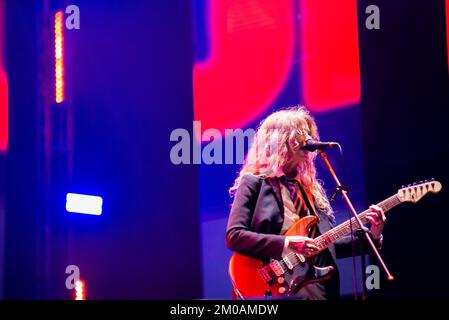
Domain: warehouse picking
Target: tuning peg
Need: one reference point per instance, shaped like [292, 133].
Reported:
[403, 186]
[433, 179]
[414, 183]
[425, 181]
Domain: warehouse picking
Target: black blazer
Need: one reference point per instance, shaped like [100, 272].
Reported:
[256, 219]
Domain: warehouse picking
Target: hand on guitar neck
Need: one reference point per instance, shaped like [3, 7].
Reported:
[377, 218]
[307, 246]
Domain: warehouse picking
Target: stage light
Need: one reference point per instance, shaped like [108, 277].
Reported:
[59, 58]
[85, 204]
[80, 290]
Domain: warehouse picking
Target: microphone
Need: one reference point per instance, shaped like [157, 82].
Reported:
[312, 145]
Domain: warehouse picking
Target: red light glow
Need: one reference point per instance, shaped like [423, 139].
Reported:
[330, 70]
[3, 112]
[251, 53]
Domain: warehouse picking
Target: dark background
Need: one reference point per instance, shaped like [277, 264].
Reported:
[123, 119]
[405, 96]
[145, 244]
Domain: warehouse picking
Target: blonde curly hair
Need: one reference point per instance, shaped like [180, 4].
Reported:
[269, 152]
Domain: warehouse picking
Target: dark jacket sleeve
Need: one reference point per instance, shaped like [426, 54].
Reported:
[343, 247]
[239, 236]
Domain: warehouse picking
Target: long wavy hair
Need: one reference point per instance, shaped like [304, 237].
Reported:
[269, 152]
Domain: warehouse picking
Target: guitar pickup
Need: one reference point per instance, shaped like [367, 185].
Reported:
[301, 258]
[277, 268]
[288, 263]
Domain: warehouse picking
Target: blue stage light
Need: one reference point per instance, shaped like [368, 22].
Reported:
[82, 203]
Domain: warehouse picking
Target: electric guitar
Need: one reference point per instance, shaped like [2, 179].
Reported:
[252, 278]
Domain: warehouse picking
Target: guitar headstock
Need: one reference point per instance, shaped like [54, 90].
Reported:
[415, 191]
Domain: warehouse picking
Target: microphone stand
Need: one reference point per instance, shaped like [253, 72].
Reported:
[364, 230]
[363, 263]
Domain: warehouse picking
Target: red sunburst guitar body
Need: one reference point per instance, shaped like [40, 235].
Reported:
[253, 279]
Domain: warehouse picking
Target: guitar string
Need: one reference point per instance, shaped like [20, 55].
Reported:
[342, 229]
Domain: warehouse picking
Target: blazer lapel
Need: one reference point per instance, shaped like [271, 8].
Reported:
[274, 183]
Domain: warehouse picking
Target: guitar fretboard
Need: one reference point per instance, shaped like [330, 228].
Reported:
[342, 230]
[292, 259]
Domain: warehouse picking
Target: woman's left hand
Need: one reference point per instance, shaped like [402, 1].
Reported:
[377, 218]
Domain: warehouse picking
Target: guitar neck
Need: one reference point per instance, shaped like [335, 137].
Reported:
[412, 193]
[342, 230]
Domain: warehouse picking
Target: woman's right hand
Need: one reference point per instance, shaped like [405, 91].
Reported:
[303, 245]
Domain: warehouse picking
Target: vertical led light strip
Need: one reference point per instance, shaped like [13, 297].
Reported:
[80, 292]
[59, 58]
[3, 84]
[447, 32]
